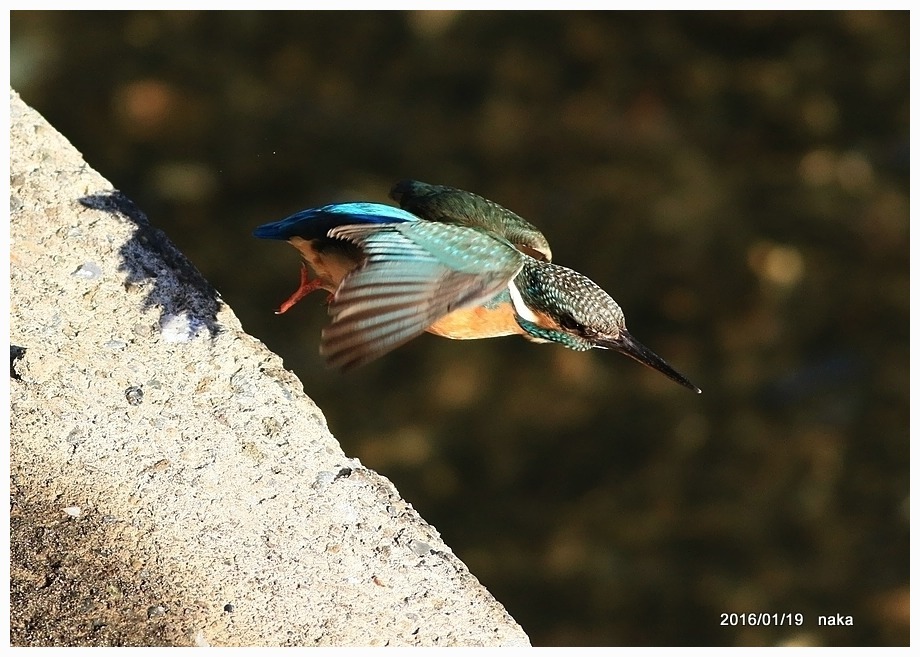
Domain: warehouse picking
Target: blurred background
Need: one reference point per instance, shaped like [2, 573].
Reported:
[737, 181]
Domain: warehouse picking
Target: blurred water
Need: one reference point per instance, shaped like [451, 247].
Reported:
[738, 182]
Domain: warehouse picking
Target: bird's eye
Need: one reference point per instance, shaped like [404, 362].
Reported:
[569, 323]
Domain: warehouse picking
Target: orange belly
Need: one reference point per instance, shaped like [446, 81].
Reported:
[486, 321]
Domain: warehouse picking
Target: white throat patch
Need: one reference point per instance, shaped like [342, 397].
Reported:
[519, 306]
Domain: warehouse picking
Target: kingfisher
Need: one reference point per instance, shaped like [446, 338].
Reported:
[448, 262]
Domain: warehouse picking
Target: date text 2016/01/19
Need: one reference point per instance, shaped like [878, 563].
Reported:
[763, 619]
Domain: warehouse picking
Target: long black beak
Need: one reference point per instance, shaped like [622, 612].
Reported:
[626, 344]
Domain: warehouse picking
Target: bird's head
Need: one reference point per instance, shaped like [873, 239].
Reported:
[556, 304]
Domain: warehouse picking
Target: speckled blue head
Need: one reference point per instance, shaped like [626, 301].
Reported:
[557, 304]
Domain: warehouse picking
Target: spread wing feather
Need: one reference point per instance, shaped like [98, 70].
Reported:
[440, 203]
[414, 274]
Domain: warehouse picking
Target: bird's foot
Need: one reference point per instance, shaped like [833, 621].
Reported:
[306, 287]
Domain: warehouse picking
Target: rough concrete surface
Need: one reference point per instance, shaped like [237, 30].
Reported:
[171, 483]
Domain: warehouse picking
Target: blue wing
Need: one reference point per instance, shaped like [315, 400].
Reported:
[414, 274]
[314, 223]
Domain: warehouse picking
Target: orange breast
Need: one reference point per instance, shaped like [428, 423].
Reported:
[478, 322]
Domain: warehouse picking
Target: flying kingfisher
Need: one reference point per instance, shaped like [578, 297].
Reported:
[448, 262]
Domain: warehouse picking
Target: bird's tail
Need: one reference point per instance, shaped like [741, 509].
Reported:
[313, 223]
